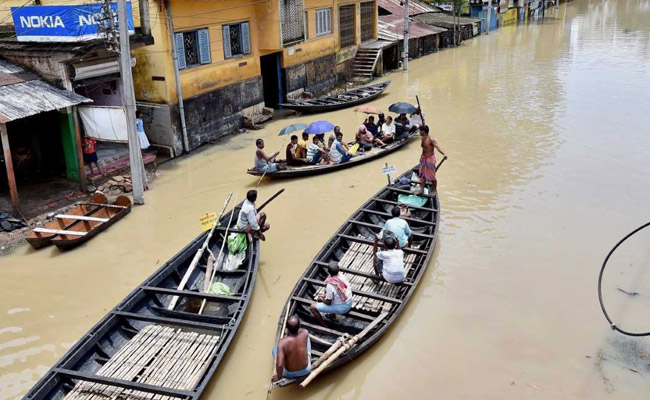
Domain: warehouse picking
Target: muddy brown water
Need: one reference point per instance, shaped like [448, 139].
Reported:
[547, 129]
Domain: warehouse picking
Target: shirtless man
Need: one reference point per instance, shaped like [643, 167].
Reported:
[427, 172]
[293, 352]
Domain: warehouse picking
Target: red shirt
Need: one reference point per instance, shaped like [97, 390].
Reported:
[89, 145]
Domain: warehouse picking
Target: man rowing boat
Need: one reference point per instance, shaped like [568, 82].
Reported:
[427, 171]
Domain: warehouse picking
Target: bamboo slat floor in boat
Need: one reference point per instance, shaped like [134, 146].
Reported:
[359, 257]
[157, 355]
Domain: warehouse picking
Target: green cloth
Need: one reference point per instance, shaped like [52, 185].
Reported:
[412, 200]
[237, 243]
[220, 288]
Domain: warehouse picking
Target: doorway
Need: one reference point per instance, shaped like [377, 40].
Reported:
[272, 79]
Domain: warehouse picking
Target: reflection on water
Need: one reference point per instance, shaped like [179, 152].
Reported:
[546, 126]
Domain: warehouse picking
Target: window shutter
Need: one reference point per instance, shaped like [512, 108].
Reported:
[227, 50]
[245, 38]
[204, 46]
[319, 22]
[328, 16]
[180, 51]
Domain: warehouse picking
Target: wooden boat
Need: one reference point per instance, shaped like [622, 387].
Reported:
[42, 236]
[141, 348]
[351, 247]
[306, 170]
[346, 99]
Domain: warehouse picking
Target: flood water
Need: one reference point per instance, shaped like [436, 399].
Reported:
[547, 127]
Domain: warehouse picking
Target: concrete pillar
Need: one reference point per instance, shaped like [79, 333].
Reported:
[11, 178]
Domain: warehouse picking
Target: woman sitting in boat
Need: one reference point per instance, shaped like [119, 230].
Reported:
[264, 163]
[293, 352]
[339, 152]
[366, 139]
[417, 119]
[389, 264]
[402, 126]
[337, 299]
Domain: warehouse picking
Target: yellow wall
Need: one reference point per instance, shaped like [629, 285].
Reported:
[509, 17]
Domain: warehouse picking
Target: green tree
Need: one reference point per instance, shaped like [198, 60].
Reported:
[456, 8]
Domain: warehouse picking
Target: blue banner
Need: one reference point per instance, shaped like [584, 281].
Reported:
[74, 23]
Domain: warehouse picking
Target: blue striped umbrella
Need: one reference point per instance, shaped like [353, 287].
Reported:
[292, 128]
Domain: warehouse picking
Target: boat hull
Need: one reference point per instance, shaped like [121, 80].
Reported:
[318, 108]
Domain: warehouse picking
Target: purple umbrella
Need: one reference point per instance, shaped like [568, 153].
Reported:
[318, 127]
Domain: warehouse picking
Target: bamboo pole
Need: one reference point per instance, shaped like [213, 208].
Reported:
[348, 345]
[197, 256]
[333, 348]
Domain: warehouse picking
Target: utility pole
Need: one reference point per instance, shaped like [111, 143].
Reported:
[405, 57]
[489, 14]
[135, 156]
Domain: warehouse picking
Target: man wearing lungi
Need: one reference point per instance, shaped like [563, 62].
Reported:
[427, 172]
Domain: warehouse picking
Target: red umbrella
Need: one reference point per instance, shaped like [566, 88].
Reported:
[368, 110]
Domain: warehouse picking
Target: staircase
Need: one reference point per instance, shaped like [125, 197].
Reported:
[364, 63]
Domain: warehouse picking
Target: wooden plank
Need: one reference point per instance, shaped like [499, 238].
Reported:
[59, 232]
[352, 314]
[11, 177]
[368, 241]
[170, 321]
[358, 273]
[123, 384]
[103, 205]
[358, 292]
[81, 218]
[323, 329]
[396, 190]
[189, 293]
[409, 206]
[369, 225]
[385, 214]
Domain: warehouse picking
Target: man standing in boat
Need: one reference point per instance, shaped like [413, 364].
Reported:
[250, 221]
[293, 352]
[337, 299]
[427, 171]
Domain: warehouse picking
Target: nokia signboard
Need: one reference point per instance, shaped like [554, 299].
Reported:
[75, 23]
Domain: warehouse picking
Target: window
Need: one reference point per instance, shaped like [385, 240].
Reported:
[193, 48]
[367, 21]
[236, 40]
[292, 16]
[323, 21]
[347, 25]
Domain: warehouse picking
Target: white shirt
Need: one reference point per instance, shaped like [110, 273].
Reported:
[248, 216]
[388, 130]
[393, 260]
[416, 120]
[332, 294]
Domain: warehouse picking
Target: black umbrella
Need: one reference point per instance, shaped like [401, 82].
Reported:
[402, 108]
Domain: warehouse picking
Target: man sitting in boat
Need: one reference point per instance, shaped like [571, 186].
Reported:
[264, 163]
[388, 130]
[293, 352]
[398, 228]
[316, 154]
[338, 151]
[371, 126]
[301, 150]
[337, 299]
[292, 153]
[389, 264]
[250, 221]
[416, 119]
[402, 126]
[366, 139]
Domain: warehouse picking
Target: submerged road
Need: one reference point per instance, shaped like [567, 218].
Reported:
[547, 129]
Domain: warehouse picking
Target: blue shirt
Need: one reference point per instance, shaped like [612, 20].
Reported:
[139, 125]
[400, 228]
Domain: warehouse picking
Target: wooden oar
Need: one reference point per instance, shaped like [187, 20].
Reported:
[420, 108]
[347, 346]
[264, 174]
[198, 255]
[440, 163]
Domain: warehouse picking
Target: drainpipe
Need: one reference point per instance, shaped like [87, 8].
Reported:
[487, 18]
[405, 59]
[145, 24]
[179, 89]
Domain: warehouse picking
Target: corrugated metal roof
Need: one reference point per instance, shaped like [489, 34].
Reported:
[444, 19]
[22, 94]
[391, 27]
[415, 7]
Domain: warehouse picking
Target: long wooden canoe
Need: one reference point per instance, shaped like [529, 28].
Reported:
[42, 236]
[351, 247]
[141, 348]
[306, 170]
[346, 99]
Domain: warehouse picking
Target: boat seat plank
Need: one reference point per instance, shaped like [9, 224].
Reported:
[189, 293]
[353, 314]
[397, 203]
[323, 329]
[396, 190]
[59, 232]
[368, 241]
[80, 218]
[170, 321]
[359, 292]
[385, 214]
[369, 225]
[358, 273]
[103, 205]
[142, 387]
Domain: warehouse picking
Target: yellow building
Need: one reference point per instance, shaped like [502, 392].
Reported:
[235, 57]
